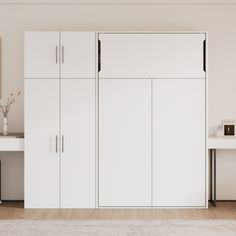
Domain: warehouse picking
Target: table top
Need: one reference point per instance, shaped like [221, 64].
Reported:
[12, 142]
[222, 142]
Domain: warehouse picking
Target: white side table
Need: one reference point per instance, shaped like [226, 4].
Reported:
[215, 143]
[11, 142]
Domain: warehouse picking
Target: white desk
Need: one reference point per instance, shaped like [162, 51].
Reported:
[215, 143]
[10, 143]
[222, 143]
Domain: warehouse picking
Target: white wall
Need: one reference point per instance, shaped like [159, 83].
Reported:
[218, 20]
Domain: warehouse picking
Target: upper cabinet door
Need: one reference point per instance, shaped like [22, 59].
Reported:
[78, 52]
[152, 55]
[42, 55]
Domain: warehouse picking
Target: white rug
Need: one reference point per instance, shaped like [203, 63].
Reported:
[117, 228]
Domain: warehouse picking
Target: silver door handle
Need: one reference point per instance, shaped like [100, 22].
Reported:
[56, 144]
[56, 54]
[62, 144]
[62, 54]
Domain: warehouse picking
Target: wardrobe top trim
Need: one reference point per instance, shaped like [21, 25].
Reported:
[125, 32]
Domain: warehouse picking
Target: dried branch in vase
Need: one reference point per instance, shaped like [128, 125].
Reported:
[5, 107]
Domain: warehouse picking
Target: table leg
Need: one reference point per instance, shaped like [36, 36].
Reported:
[210, 164]
[0, 182]
[214, 157]
[213, 177]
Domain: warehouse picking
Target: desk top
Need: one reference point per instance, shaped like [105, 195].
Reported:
[12, 142]
[222, 142]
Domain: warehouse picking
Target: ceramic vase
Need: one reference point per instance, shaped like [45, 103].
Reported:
[5, 125]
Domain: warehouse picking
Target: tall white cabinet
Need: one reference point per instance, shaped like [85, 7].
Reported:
[60, 120]
[152, 151]
[115, 120]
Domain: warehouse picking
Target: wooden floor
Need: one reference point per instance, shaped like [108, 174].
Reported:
[15, 210]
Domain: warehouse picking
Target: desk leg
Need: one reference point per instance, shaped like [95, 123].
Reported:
[0, 182]
[214, 157]
[213, 176]
[210, 165]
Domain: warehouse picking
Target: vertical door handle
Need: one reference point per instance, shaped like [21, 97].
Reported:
[56, 54]
[204, 55]
[56, 144]
[62, 54]
[62, 144]
[99, 55]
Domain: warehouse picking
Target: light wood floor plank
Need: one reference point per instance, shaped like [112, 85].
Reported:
[15, 210]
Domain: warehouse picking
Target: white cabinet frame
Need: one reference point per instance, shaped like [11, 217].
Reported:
[206, 113]
[36, 65]
[97, 104]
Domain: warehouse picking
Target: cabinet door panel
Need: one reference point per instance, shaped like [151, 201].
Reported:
[41, 55]
[78, 55]
[152, 55]
[41, 156]
[78, 151]
[124, 142]
[179, 143]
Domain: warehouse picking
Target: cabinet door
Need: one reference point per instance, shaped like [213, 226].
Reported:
[41, 146]
[124, 142]
[41, 55]
[78, 55]
[152, 56]
[78, 143]
[179, 131]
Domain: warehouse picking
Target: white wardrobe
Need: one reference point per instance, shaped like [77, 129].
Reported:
[115, 120]
[59, 120]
